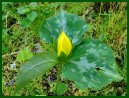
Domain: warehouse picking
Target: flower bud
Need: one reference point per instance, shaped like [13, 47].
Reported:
[64, 44]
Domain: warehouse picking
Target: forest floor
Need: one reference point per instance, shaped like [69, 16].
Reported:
[20, 41]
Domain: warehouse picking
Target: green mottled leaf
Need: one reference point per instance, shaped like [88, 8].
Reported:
[61, 88]
[36, 66]
[73, 25]
[91, 65]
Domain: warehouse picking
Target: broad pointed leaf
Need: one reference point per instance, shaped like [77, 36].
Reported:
[36, 66]
[73, 25]
[91, 65]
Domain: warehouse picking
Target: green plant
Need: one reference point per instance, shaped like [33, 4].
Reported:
[88, 62]
[30, 15]
[24, 55]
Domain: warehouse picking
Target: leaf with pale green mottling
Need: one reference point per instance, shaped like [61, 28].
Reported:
[91, 65]
[73, 25]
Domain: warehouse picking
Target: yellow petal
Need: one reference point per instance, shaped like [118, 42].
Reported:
[64, 44]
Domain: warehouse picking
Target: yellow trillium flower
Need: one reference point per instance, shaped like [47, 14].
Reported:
[64, 44]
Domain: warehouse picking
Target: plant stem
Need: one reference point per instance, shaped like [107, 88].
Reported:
[13, 53]
[58, 75]
[6, 27]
